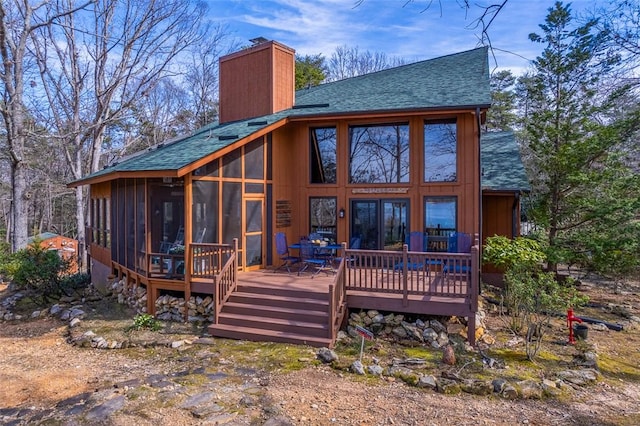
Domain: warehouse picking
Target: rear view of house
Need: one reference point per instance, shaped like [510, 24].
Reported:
[368, 159]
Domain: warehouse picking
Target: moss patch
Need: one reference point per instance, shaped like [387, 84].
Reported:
[619, 368]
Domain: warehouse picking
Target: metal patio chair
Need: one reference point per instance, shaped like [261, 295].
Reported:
[309, 257]
[282, 248]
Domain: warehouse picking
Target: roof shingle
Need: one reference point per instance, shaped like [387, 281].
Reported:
[502, 168]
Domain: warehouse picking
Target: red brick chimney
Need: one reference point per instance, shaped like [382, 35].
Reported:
[257, 81]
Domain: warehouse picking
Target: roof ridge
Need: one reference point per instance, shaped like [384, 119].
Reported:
[392, 69]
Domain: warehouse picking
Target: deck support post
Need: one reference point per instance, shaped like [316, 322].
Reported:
[188, 264]
[405, 270]
[474, 290]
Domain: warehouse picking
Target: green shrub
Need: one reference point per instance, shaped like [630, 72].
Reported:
[36, 270]
[75, 281]
[145, 322]
[506, 253]
[530, 295]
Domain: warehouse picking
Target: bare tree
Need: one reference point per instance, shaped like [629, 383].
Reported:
[348, 62]
[201, 77]
[97, 64]
[19, 20]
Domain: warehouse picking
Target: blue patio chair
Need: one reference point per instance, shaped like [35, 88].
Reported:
[309, 257]
[354, 243]
[459, 242]
[417, 241]
[282, 248]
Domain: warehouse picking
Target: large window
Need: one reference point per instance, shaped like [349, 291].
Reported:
[322, 220]
[440, 151]
[379, 154]
[322, 145]
[440, 217]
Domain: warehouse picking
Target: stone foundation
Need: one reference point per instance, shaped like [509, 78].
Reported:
[168, 308]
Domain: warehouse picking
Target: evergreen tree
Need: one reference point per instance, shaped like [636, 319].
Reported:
[585, 193]
[500, 116]
[310, 70]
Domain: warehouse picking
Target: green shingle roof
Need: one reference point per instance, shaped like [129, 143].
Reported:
[181, 152]
[502, 168]
[461, 79]
[458, 80]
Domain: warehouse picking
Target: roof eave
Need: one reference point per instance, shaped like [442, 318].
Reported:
[388, 112]
[507, 190]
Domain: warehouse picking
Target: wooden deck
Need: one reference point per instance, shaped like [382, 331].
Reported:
[315, 305]
[310, 308]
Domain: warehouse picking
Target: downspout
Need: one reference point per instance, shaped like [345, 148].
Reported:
[480, 173]
[478, 119]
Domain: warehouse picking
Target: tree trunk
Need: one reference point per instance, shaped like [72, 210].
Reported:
[80, 220]
[20, 206]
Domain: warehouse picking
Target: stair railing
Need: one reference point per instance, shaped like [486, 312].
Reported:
[337, 297]
[226, 281]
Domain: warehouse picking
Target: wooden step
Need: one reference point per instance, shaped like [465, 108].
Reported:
[313, 304]
[269, 311]
[262, 335]
[280, 290]
[314, 329]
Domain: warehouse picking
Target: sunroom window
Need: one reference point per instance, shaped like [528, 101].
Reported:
[440, 151]
[379, 153]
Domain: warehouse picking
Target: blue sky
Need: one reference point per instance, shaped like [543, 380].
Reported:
[395, 27]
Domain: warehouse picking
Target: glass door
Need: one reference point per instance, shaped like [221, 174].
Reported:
[253, 233]
[364, 223]
[380, 224]
[394, 222]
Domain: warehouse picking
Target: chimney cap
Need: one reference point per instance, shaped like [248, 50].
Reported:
[258, 40]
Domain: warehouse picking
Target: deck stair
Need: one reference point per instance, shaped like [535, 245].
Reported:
[262, 312]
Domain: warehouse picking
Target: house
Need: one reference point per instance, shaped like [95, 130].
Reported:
[375, 156]
[66, 247]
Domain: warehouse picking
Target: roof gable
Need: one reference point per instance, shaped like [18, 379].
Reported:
[502, 168]
[461, 79]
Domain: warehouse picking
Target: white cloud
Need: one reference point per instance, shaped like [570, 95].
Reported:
[394, 27]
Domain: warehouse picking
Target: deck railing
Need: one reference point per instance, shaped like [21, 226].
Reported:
[208, 260]
[412, 273]
[226, 280]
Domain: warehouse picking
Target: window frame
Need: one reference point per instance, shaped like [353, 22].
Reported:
[438, 236]
[334, 234]
[431, 122]
[312, 137]
[405, 174]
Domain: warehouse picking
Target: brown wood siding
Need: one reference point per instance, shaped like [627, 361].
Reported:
[97, 252]
[284, 79]
[287, 172]
[256, 81]
[291, 174]
[497, 219]
[101, 190]
[497, 215]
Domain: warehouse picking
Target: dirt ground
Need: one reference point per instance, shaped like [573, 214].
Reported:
[40, 371]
